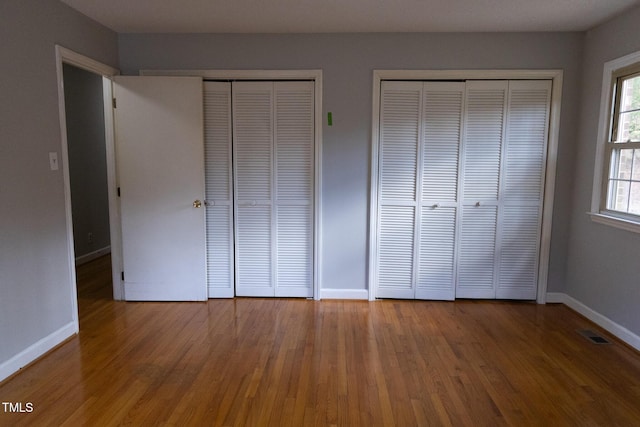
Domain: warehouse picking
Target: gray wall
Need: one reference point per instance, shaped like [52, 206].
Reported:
[35, 283]
[603, 270]
[347, 61]
[84, 109]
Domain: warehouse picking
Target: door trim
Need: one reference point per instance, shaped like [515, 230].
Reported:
[67, 56]
[556, 76]
[316, 77]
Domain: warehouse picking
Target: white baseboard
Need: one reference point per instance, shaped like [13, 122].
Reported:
[344, 294]
[556, 298]
[36, 350]
[83, 259]
[604, 322]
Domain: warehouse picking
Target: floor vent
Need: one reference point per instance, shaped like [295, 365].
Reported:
[594, 337]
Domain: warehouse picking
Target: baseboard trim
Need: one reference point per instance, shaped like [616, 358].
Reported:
[604, 322]
[555, 298]
[362, 294]
[36, 350]
[83, 259]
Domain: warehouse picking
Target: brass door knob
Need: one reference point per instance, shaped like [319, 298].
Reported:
[197, 204]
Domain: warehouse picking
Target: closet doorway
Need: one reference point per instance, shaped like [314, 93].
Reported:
[462, 183]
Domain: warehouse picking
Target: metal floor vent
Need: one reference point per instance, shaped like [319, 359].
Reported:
[594, 337]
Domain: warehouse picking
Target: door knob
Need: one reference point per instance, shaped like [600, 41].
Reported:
[197, 204]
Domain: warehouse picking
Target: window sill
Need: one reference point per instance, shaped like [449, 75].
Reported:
[613, 221]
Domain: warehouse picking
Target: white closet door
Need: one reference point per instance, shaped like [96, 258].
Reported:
[253, 172]
[400, 119]
[293, 204]
[218, 179]
[522, 190]
[274, 139]
[440, 149]
[482, 154]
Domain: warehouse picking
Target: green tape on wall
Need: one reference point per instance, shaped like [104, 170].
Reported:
[329, 119]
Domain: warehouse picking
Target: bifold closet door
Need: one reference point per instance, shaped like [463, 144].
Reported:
[219, 196]
[505, 151]
[273, 145]
[461, 179]
[486, 103]
[419, 150]
[525, 156]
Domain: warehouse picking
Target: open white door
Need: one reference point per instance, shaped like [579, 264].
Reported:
[159, 157]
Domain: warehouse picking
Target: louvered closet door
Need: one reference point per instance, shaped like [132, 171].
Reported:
[218, 199]
[400, 118]
[253, 174]
[482, 154]
[294, 163]
[273, 167]
[440, 148]
[522, 189]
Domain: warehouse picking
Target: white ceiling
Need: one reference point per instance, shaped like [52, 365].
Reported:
[331, 16]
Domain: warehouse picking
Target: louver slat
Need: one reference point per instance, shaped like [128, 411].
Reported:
[219, 223]
[396, 252]
[399, 140]
[253, 231]
[477, 252]
[442, 118]
[525, 149]
[483, 139]
[437, 248]
[519, 253]
[253, 140]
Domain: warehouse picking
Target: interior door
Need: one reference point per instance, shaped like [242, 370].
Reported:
[160, 162]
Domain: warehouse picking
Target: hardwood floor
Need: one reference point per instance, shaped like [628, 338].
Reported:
[289, 362]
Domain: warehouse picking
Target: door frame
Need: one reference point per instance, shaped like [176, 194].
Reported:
[274, 75]
[556, 77]
[68, 56]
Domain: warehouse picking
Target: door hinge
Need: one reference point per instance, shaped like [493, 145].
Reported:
[122, 275]
[114, 103]
[118, 191]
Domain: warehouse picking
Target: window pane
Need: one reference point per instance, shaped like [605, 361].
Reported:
[636, 165]
[634, 202]
[621, 161]
[630, 99]
[619, 195]
[629, 127]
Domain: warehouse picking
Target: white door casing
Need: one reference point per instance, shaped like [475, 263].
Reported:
[159, 149]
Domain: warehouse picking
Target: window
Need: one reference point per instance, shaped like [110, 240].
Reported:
[616, 198]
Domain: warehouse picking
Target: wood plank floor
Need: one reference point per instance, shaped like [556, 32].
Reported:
[288, 362]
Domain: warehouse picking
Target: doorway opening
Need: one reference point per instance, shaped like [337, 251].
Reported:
[87, 163]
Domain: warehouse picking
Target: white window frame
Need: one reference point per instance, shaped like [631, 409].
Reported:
[599, 212]
[556, 76]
